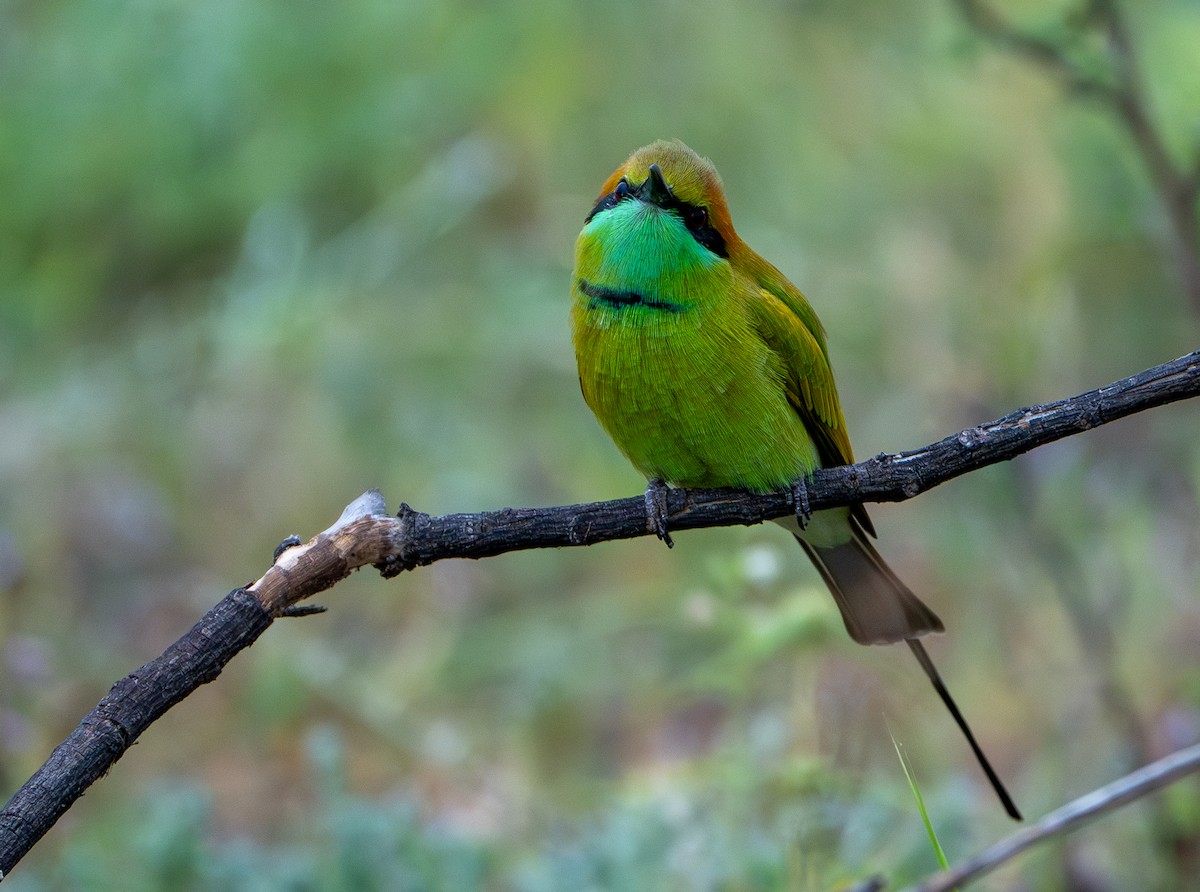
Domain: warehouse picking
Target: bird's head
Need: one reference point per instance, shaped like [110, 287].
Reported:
[672, 185]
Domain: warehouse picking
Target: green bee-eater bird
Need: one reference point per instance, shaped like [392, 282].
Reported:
[708, 368]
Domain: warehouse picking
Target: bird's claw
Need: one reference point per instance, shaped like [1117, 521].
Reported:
[656, 510]
[290, 542]
[800, 502]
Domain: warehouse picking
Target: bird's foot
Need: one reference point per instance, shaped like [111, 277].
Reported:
[800, 502]
[656, 510]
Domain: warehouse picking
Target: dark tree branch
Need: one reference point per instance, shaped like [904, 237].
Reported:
[885, 478]
[133, 704]
[364, 536]
[1177, 184]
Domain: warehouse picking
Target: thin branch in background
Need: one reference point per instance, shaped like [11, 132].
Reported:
[1070, 817]
[1177, 184]
[365, 535]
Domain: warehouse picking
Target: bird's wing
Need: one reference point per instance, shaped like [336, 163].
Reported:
[809, 381]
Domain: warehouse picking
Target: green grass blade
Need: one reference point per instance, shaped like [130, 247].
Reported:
[916, 791]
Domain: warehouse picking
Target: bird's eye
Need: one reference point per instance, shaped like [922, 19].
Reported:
[609, 201]
[695, 217]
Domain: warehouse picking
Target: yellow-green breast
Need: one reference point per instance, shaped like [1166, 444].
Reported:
[670, 362]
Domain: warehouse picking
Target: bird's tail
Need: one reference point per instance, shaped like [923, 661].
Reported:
[878, 608]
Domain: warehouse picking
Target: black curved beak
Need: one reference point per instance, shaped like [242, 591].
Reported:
[655, 189]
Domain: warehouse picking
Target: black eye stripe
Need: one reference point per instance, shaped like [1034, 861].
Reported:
[608, 201]
[695, 218]
[711, 239]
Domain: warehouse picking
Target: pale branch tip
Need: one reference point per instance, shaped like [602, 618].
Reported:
[365, 536]
[369, 503]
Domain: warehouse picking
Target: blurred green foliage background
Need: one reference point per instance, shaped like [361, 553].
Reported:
[257, 258]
